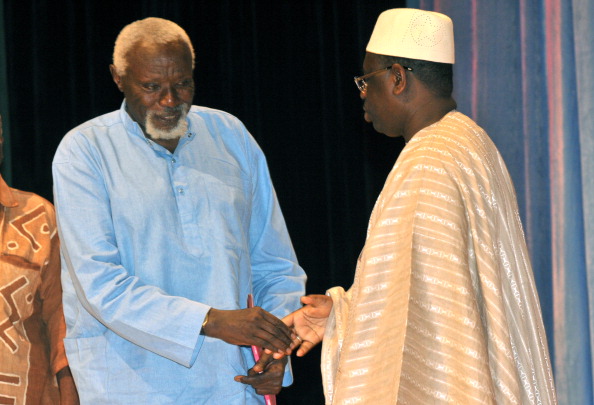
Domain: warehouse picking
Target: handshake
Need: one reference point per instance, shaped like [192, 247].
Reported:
[307, 323]
[306, 327]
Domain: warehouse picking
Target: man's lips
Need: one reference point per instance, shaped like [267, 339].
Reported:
[168, 116]
[166, 120]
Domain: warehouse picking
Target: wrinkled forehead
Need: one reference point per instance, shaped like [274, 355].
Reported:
[143, 50]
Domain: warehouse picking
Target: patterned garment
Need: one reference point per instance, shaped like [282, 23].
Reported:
[444, 307]
[31, 319]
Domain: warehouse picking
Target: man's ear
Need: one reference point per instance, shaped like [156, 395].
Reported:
[116, 77]
[399, 77]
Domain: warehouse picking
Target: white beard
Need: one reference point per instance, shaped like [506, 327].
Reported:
[166, 134]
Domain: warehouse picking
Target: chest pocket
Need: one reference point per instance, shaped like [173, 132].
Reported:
[222, 206]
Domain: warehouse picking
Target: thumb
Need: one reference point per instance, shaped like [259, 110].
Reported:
[313, 299]
[261, 364]
[289, 319]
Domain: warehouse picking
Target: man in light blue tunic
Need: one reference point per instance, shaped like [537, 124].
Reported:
[168, 220]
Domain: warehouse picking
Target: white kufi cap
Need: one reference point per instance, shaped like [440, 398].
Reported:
[413, 34]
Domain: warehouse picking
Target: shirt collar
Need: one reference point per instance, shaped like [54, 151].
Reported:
[131, 126]
[6, 197]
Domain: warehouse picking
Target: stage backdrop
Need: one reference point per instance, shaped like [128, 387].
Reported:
[524, 72]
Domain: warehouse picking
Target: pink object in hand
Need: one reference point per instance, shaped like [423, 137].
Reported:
[270, 399]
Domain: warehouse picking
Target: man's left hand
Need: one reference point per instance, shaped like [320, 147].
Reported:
[269, 381]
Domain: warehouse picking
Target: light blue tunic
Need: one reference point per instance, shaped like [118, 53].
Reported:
[150, 241]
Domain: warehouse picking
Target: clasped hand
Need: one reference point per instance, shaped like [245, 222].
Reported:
[305, 329]
[308, 324]
[252, 326]
[257, 327]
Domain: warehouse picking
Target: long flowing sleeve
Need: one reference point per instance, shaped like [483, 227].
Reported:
[444, 306]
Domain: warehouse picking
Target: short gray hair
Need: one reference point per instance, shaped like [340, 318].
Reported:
[151, 30]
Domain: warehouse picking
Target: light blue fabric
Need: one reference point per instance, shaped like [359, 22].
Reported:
[150, 241]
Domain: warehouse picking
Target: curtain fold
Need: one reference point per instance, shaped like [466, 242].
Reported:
[583, 30]
[570, 289]
[525, 73]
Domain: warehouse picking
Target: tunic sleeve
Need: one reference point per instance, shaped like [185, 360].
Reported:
[51, 294]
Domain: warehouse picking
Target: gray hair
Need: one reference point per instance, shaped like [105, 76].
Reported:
[151, 30]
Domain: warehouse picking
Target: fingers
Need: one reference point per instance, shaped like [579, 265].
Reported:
[308, 299]
[262, 363]
[316, 300]
[253, 326]
[297, 341]
[268, 382]
[275, 334]
[305, 347]
[261, 384]
[304, 328]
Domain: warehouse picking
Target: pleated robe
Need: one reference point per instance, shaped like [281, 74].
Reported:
[444, 307]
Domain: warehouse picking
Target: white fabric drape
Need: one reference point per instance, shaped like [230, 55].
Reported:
[525, 72]
[443, 308]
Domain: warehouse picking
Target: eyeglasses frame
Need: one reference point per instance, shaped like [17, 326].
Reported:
[362, 84]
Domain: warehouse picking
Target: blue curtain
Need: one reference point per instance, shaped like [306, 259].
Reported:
[525, 72]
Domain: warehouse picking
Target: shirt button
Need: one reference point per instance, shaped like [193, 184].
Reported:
[172, 160]
[181, 190]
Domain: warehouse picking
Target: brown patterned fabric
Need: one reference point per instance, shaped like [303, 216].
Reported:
[31, 319]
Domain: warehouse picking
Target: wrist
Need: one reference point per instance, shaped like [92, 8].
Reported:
[205, 323]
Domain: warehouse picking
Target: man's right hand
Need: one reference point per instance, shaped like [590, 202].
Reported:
[309, 322]
[252, 326]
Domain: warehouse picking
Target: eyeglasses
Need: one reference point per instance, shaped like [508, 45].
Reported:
[362, 84]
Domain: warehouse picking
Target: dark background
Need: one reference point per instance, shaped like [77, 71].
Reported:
[285, 68]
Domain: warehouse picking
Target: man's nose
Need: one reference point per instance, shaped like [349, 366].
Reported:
[169, 98]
